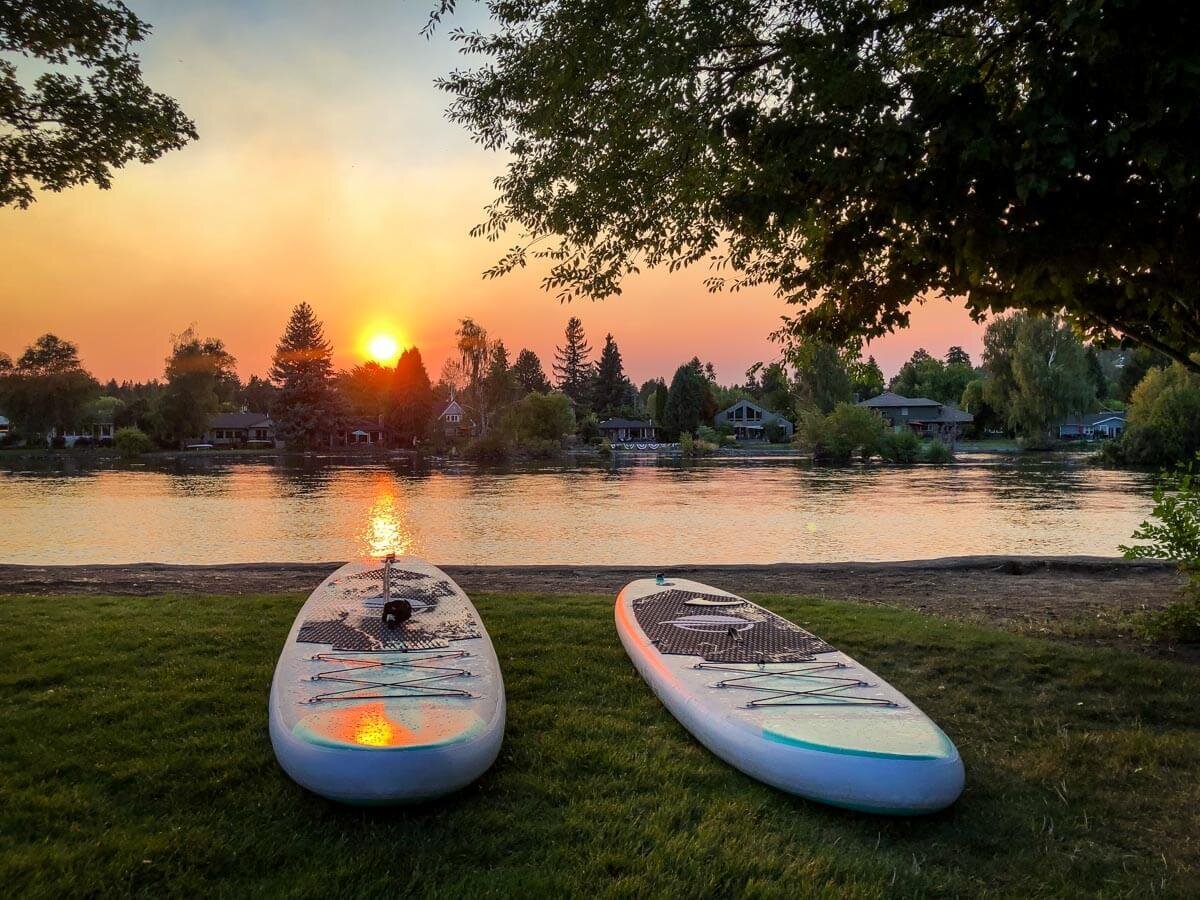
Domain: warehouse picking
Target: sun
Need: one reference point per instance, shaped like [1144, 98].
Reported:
[383, 348]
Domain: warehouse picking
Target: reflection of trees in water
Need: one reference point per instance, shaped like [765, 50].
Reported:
[55, 467]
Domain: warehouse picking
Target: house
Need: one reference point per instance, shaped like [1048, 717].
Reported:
[360, 433]
[240, 429]
[620, 431]
[749, 421]
[927, 418]
[453, 419]
[5, 428]
[1105, 424]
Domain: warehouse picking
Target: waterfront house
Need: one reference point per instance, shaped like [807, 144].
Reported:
[453, 419]
[749, 421]
[620, 431]
[5, 428]
[927, 418]
[361, 433]
[1105, 424]
[240, 429]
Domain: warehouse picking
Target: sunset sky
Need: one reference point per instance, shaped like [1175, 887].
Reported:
[326, 171]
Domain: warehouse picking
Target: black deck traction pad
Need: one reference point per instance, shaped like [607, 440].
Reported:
[360, 626]
[678, 629]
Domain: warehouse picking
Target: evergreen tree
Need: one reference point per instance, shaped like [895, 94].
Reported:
[957, 356]
[866, 379]
[302, 368]
[258, 395]
[410, 400]
[822, 374]
[1096, 374]
[657, 406]
[498, 386]
[200, 378]
[686, 400]
[613, 392]
[571, 364]
[529, 374]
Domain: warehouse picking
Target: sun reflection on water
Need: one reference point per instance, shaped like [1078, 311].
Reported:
[386, 531]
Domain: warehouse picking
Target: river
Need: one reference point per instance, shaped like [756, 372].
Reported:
[640, 510]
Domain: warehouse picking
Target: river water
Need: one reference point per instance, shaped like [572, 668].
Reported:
[643, 511]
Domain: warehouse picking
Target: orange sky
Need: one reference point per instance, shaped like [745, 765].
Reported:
[325, 171]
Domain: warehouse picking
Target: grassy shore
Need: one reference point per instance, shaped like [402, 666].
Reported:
[136, 760]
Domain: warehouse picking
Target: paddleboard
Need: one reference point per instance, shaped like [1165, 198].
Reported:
[781, 704]
[388, 689]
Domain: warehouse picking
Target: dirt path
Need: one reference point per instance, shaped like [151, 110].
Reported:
[993, 588]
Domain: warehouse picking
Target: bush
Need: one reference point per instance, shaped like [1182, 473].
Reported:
[491, 448]
[685, 444]
[131, 442]
[900, 446]
[604, 448]
[1178, 623]
[937, 452]
[774, 432]
[1175, 537]
[1163, 426]
[696, 446]
[845, 431]
[539, 417]
[540, 448]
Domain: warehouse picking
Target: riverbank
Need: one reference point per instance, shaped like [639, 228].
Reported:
[138, 763]
[1077, 597]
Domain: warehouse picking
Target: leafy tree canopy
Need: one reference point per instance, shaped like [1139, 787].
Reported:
[929, 377]
[200, 377]
[85, 109]
[410, 402]
[859, 156]
[47, 388]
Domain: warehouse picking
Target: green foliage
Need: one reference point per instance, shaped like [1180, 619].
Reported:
[528, 372]
[588, 428]
[900, 446]
[46, 389]
[302, 368]
[492, 447]
[545, 418]
[689, 401]
[858, 156]
[612, 392]
[774, 432]
[686, 444]
[937, 452]
[200, 377]
[498, 387]
[410, 400]
[847, 430]
[1138, 362]
[866, 379]
[87, 110]
[1163, 421]
[132, 442]
[822, 374]
[571, 366]
[1036, 375]
[926, 376]
[364, 389]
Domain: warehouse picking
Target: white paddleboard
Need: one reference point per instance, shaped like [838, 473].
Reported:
[371, 713]
[782, 705]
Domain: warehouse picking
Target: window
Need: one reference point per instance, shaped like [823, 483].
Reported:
[453, 417]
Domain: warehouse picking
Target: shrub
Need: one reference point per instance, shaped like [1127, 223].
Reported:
[1178, 623]
[709, 435]
[491, 448]
[849, 429]
[605, 447]
[1176, 537]
[1163, 425]
[685, 444]
[131, 442]
[539, 417]
[900, 446]
[937, 452]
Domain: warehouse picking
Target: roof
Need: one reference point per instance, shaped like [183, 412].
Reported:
[1105, 415]
[889, 399]
[240, 420]
[452, 405]
[625, 423]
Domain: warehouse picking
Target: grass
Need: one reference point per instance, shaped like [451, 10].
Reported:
[134, 759]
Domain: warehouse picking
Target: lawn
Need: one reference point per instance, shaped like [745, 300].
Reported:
[134, 758]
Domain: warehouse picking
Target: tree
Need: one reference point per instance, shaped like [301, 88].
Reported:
[571, 365]
[474, 349]
[657, 407]
[1163, 421]
[410, 401]
[258, 395]
[87, 110]
[365, 389]
[1036, 374]
[685, 406]
[836, 436]
[958, 356]
[822, 374]
[613, 394]
[200, 377]
[926, 376]
[775, 393]
[866, 379]
[539, 417]
[860, 156]
[498, 387]
[529, 374]
[1137, 363]
[47, 389]
[302, 369]
[1096, 374]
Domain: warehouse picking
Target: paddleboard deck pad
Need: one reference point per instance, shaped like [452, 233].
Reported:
[783, 705]
[369, 711]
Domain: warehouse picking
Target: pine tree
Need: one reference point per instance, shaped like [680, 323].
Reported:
[571, 364]
[613, 391]
[302, 368]
[410, 401]
[686, 398]
[529, 374]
